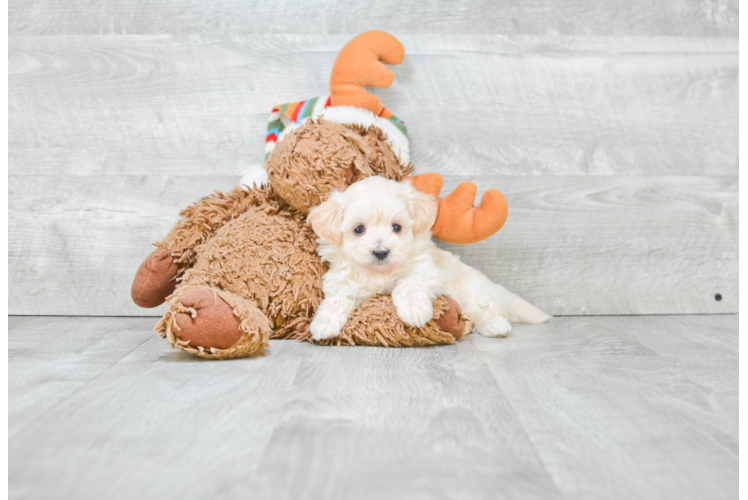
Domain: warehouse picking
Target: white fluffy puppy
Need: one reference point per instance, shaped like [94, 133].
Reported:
[376, 237]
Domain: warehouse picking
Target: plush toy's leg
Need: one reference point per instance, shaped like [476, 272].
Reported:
[451, 320]
[376, 323]
[155, 280]
[156, 277]
[213, 323]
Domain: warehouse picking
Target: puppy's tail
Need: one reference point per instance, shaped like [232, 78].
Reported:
[521, 311]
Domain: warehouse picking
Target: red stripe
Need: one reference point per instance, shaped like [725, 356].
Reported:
[296, 111]
[271, 137]
[328, 103]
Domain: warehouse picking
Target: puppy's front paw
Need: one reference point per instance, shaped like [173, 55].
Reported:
[413, 310]
[325, 327]
[496, 327]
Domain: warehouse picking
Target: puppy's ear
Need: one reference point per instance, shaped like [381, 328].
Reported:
[423, 209]
[327, 218]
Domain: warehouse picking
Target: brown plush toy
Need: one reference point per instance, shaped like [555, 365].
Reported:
[241, 267]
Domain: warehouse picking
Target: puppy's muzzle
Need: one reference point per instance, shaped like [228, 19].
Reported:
[380, 253]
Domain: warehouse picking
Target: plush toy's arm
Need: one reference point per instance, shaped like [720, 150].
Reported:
[199, 221]
[458, 220]
[359, 65]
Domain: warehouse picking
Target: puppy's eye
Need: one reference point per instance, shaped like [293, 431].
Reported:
[359, 230]
[396, 228]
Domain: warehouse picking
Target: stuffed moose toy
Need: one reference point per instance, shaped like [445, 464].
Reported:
[240, 268]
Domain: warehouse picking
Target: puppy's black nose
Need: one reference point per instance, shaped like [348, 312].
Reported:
[381, 253]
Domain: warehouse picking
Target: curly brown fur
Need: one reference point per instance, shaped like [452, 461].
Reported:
[376, 323]
[200, 220]
[311, 161]
[380, 156]
[262, 261]
[266, 255]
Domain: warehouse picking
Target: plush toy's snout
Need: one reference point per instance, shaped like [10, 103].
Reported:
[351, 175]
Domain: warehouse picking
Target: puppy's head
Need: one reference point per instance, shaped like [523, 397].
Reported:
[374, 222]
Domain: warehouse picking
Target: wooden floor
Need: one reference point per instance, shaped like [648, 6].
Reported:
[582, 407]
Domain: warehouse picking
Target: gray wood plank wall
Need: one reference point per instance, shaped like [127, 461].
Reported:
[696, 18]
[611, 128]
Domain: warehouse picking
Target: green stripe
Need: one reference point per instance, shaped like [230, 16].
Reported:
[401, 126]
[276, 124]
[309, 109]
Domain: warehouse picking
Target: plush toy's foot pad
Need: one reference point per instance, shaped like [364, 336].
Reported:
[214, 325]
[450, 321]
[155, 279]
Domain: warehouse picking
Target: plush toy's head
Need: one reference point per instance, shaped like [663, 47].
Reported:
[321, 156]
[326, 144]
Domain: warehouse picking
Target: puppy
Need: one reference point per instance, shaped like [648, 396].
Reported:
[376, 237]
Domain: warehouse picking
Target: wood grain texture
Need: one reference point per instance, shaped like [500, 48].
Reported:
[52, 358]
[607, 407]
[615, 245]
[544, 17]
[571, 245]
[419, 423]
[594, 391]
[79, 240]
[743, 402]
[110, 136]
[475, 105]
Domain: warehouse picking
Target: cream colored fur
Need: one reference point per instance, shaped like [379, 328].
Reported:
[413, 270]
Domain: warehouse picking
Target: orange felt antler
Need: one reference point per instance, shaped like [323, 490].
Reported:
[458, 220]
[359, 65]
